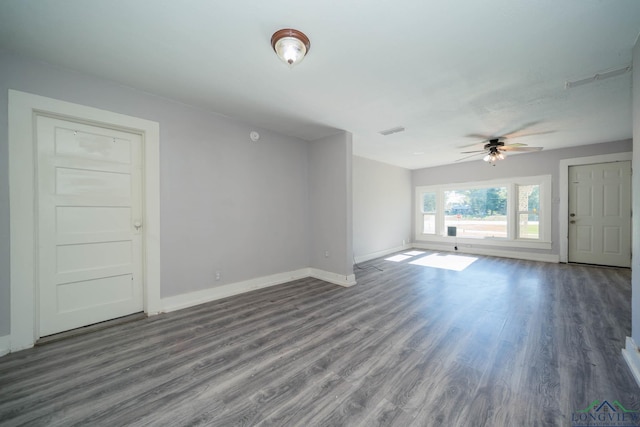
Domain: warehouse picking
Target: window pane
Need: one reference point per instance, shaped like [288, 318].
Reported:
[528, 226]
[529, 198]
[429, 225]
[478, 212]
[429, 202]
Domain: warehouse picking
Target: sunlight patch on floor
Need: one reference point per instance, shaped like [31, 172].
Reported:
[445, 261]
[413, 253]
[398, 258]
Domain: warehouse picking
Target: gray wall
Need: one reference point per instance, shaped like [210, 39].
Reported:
[330, 203]
[5, 313]
[227, 203]
[381, 206]
[529, 164]
[635, 261]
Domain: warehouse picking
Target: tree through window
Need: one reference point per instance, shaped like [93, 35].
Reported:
[528, 211]
[510, 212]
[477, 212]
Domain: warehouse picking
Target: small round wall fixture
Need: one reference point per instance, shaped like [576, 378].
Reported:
[290, 45]
[254, 136]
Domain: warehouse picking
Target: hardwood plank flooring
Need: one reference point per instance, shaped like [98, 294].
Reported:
[501, 343]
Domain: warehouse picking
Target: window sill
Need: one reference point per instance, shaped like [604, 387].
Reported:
[505, 243]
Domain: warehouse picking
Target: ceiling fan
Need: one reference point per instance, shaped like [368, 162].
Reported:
[494, 149]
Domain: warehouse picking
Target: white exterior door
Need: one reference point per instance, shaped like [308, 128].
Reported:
[600, 214]
[89, 224]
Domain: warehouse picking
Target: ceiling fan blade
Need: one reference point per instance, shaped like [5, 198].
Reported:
[468, 157]
[475, 151]
[479, 136]
[516, 144]
[479, 143]
[520, 129]
[509, 148]
[546, 132]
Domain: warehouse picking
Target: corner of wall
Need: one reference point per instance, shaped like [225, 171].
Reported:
[5, 345]
[346, 281]
[330, 204]
[631, 355]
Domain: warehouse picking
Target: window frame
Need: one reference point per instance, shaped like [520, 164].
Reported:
[520, 212]
[512, 239]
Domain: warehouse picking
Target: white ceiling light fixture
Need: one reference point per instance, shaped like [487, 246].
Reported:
[290, 45]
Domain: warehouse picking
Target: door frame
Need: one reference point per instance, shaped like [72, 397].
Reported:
[23, 109]
[563, 220]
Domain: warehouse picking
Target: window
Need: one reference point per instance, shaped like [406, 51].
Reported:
[478, 212]
[528, 207]
[429, 213]
[509, 212]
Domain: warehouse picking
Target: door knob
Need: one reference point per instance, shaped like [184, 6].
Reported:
[573, 221]
[572, 215]
[137, 225]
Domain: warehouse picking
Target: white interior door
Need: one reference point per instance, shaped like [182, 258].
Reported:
[89, 224]
[600, 214]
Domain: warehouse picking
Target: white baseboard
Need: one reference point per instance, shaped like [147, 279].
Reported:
[206, 295]
[211, 294]
[378, 254]
[5, 345]
[631, 355]
[191, 299]
[336, 279]
[530, 256]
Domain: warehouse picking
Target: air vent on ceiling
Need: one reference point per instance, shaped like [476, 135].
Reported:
[392, 130]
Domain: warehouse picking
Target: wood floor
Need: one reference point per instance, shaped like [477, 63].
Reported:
[502, 343]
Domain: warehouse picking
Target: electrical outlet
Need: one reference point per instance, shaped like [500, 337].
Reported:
[326, 254]
[404, 242]
[218, 275]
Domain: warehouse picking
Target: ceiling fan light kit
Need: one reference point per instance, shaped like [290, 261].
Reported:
[290, 45]
[493, 156]
[494, 149]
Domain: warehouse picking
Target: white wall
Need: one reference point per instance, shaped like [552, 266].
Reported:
[635, 261]
[330, 204]
[529, 164]
[381, 208]
[631, 352]
[227, 204]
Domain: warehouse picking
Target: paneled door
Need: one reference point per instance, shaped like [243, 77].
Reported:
[600, 214]
[89, 224]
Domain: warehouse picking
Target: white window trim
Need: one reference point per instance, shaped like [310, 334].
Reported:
[544, 242]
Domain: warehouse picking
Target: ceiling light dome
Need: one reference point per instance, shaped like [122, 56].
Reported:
[290, 45]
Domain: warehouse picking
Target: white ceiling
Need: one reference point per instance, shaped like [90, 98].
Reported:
[443, 70]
